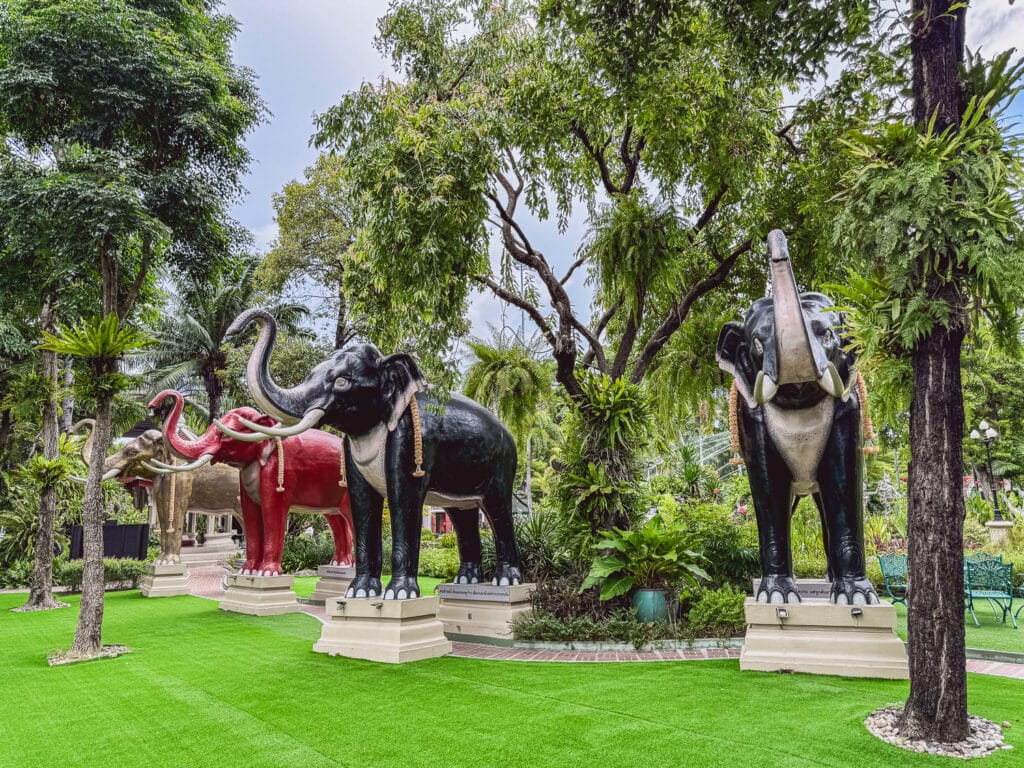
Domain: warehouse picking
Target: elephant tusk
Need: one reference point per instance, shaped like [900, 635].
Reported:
[765, 388]
[156, 470]
[832, 382]
[110, 474]
[311, 419]
[245, 437]
[202, 461]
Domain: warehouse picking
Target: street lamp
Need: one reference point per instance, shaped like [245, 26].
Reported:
[987, 435]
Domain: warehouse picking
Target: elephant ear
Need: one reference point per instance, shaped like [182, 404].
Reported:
[733, 356]
[400, 381]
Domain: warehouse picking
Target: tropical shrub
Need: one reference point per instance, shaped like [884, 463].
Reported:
[717, 613]
[17, 575]
[120, 573]
[542, 547]
[730, 549]
[304, 553]
[439, 562]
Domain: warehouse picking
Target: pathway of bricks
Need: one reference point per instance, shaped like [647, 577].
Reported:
[207, 582]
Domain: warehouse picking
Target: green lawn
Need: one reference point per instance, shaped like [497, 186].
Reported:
[304, 585]
[992, 634]
[209, 688]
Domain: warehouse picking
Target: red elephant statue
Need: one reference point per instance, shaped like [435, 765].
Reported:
[304, 473]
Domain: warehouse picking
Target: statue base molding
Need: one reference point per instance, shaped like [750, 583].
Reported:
[259, 595]
[999, 531]
[390, 631]
[482, 613]
[164, 581]
[820, 638]
[333, 582]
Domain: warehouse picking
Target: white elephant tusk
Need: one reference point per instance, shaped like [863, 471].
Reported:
[156, 470]
[245, 437]
[765, 388]
[311, 419]
[110, 474]
[202, 461]
[831, 381]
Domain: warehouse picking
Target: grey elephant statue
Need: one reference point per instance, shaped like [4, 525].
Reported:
[210, 490]
[457, 456]
[797, 410]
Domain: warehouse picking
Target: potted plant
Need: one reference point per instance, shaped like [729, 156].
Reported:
[650, 561]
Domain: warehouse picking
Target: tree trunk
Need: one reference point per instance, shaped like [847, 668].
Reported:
[40, 596]
[90, 618]
[937, 706]
[341, 331]
[67, 406]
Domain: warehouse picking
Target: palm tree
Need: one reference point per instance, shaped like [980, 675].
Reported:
[191, 353]
[508, 378]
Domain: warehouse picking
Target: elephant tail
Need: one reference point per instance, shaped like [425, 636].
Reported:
[734, 426]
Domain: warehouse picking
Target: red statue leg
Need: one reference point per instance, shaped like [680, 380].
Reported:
[341, 528]
[253, 522]
[275, 519]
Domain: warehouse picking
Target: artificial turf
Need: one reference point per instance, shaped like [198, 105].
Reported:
[992, 633]
[208, 688]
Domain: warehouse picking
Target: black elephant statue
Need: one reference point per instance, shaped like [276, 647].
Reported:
[796, 409]
[457, 456]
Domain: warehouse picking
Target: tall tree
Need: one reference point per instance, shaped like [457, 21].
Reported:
[128, 116]
[191, 348]
[933, 219]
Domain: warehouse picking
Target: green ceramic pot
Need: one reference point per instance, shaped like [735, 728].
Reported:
[650, 604]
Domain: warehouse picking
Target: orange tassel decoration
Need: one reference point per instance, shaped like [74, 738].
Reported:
[417, 438]
[869, 430]
[734, 428]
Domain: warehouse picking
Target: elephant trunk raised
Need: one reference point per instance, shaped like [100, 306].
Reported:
[111, 468]
[797, 357]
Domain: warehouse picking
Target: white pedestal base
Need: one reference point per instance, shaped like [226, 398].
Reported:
[482, 612]
[333, 582]
[824, 639]
[164, 581]
[392, 631]
[999, 530]
[259, 595]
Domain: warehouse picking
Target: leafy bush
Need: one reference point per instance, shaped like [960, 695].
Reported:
[542, 548]
[730, 549]
[302, 553]
[620, 627]
[438, 562]
[717, 613]
[17, 575]
[447, 541]
[125, 574]
[562, 597]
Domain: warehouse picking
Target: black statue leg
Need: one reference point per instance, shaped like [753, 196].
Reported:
[405, 500]
[825, 540]
[497, 506]
[467, 529]
[771, 490]
[367, 510]
[840, 481]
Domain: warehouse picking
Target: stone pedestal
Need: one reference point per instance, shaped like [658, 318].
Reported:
[392, 631]
[482, 613]
[259, 595]
[999, 530]
[164, 581]
[824, 639]
[333, 582]
[219, 542]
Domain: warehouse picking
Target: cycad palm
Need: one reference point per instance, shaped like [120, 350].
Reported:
[191, 331]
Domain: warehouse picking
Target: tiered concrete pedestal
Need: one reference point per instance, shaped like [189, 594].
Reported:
[392, 631]
[824, 639]
[259, 595]
[482, 612]
[164, 580]
[333, 582]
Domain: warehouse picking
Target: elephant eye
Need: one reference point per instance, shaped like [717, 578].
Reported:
[758, 348]
[341, 384]
[828, 337]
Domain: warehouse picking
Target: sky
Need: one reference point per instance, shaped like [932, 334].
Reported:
[308, 53]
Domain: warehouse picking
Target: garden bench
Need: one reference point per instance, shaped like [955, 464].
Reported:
[894, 574]
[991, 580]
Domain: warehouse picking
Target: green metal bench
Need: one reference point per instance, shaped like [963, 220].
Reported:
[894, 575]
[990, 580]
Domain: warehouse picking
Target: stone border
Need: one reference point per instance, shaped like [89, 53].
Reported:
[699, 643]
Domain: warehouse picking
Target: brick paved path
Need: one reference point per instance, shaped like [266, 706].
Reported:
[207, 582]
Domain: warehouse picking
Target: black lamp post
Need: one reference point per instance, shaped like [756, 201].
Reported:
[988, 435]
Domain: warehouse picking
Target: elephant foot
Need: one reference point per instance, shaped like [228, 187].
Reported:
[852, 590]
[342, 562]
[778, 589]
[402, 588]
[364, 586]
[269, 568]
[469, 573]
[249, 568]
[506, 575]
